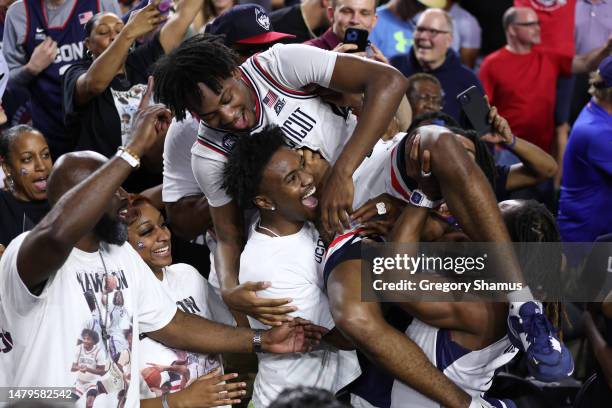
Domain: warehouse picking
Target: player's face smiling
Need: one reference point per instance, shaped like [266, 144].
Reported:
[233, 109]
[290, 186]
[88, 342]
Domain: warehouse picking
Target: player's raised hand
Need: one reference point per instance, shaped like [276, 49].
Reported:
[337, 201]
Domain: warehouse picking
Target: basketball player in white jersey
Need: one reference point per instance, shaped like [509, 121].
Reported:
[481, 344]
[264, 171]
[202, 76]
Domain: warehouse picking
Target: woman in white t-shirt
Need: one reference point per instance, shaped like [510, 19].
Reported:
[163, 369]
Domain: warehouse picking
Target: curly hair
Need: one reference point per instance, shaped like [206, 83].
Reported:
[201, 59]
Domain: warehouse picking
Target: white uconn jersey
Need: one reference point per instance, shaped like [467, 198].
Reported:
[275, 79]
[472, 371]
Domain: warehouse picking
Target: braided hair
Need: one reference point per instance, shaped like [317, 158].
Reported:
[531, 222]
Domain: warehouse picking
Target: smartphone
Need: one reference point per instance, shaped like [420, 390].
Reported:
[357, 36]
[476, 109]
[163, 6]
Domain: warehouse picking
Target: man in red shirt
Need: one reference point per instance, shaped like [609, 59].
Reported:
[557, 21]
[521, 80]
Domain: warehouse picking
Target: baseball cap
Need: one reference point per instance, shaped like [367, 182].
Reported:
[605, 71]
[433, 3]
[245, 24]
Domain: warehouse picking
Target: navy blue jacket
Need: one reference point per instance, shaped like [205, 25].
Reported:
[454, 76]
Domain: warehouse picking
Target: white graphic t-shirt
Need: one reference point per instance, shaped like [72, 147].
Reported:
[82, 331]
[293, 264]
[6, 349]
[276, 78]
[165, 369]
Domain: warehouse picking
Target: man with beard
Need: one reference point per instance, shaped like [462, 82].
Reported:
[45, 273]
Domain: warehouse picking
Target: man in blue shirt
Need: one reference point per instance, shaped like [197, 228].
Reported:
[586, 186]
[432, 53]
[393, 33]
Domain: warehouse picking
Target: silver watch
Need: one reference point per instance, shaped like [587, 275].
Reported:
[419, 199]
[257, 337]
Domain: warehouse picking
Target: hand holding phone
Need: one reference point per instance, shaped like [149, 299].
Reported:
[358, 37]
[476, 108]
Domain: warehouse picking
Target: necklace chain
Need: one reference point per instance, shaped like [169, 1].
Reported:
[267, 229]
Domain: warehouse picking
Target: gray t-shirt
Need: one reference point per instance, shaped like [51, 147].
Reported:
[15, 28]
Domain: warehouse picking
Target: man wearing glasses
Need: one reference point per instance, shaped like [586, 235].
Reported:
[521, 80]
[432, 53]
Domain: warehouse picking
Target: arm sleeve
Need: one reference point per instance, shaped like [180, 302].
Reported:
[110, 5]
[470, 31]
[155, 307]
[208, 172]
[599, 152]
[69, 80]
[13, 292]
[12, 44]
[141, 60]
[297, 65]
[179, 180]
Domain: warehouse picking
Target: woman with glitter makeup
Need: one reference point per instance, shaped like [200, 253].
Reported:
[26, 163]
[164, 369]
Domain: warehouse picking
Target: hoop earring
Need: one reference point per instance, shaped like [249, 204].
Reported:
[10, 183]
[89, 54]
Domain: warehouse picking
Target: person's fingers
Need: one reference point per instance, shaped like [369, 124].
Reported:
[234, 394]
[345, 47]
[256, 286]
[218, 379]
[265, 302]
[273, 320]
[278, 310]
[344, 218]
[426, 166]
[414, 149]
[222, 402]
[365, 212]
[211, 374]
[376, 227]
[492, 113]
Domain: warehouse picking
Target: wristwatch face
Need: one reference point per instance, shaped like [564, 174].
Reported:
[416, 198]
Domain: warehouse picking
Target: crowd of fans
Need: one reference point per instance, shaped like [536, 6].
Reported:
[184, 183]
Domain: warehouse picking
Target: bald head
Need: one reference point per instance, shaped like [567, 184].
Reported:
[522, 27]
[69, 170]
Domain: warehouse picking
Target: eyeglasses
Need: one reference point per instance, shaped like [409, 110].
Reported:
[434, 100]
[528, 24]
[431, 31]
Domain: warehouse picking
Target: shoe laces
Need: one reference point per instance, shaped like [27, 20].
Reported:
[538, 330]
